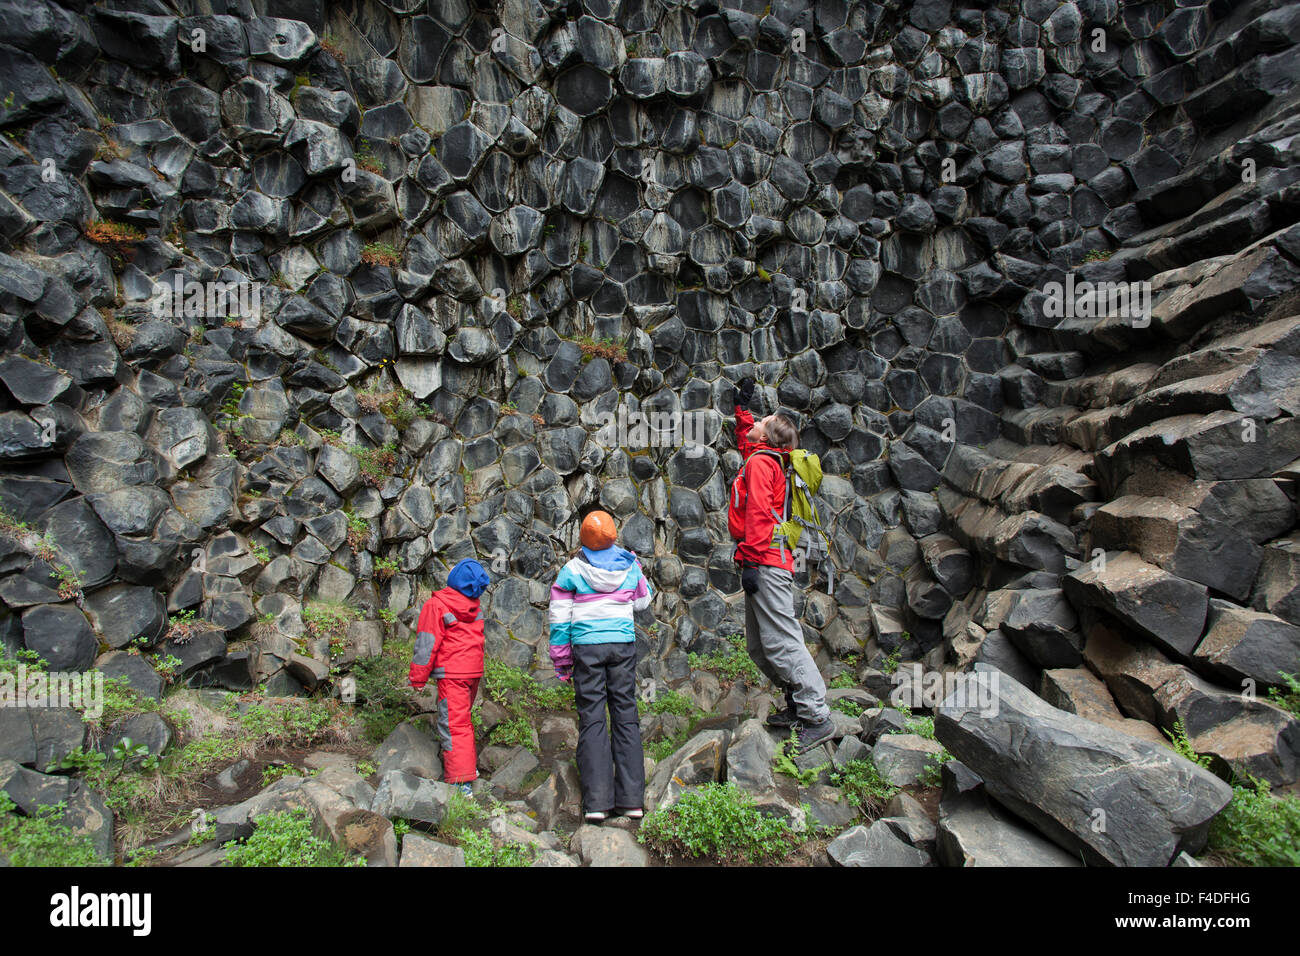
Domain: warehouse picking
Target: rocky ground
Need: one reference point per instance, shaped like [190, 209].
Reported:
[471, 235]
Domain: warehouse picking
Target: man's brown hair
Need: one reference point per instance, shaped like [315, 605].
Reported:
[782, 433]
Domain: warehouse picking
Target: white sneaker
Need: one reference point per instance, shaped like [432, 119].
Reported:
[596, 816]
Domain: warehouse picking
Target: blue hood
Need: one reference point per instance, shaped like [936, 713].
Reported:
[612, 558]
[468, 577]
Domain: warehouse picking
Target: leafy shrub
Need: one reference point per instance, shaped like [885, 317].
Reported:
[383, 697]
[863, 785]
[736, 665]
[462, 813]
[41, 839]
[671, 702]
[327, 619]
[285, 838]
[932, 775]
[717, 820]
[847, 705]
[1288, 700]
[515, 732]
[1257, 828]
[377, 464]
[481, 850]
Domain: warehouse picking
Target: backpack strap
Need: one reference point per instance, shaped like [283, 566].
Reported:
[779, 540]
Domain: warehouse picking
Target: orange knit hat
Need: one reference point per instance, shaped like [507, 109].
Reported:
[598, 531]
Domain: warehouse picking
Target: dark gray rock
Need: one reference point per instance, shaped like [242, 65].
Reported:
[1154, 803]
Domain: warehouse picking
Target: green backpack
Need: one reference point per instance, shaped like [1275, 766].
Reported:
[803, 477]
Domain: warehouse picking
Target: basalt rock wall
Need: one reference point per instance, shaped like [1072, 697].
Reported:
[455, 241]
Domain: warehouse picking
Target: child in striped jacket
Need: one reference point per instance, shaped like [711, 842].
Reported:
[593, 642]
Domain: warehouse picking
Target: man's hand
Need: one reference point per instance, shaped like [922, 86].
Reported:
[749, 579]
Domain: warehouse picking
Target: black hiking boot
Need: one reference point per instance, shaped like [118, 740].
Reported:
[811, 736]
[781, 719]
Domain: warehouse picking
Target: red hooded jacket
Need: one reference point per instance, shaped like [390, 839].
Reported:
[449, 638]
[757, 491]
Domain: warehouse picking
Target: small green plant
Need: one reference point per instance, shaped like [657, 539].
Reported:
[377, 464]
[672, 702]
[783, 762]
[46, 549]
[890, 664]
[260, 552]
[932, 774]
[358, 532]
[127, 751]
[462, 814]
[847, 705]
[1257, 828]
[365, 768]
[69, 582]
[80, 761]
[183, 625]
[367, 160]
[229, 411]
[481, 850]
[842, 681]
[736, 665]
[608, 349]
[1289, 699]
[381, 254]
[383, 695]
[11, 526]
[863, 785]
[385, 568]
[328, 620]
[1097, 255]
[42, 839]
[273, 772]
[920, 726]
[285, 838]
[515, 732]
[1183, 747]
[721, 821]
[141, 856]
[167, 665]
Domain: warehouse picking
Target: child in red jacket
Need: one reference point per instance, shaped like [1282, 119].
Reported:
[449, 647]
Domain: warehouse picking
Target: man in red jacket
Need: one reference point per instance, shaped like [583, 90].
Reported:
[773, 636]
[449, 647]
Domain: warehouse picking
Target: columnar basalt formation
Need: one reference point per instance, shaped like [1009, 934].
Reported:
[302, 302]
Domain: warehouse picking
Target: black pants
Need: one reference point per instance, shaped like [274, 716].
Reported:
[611, 765]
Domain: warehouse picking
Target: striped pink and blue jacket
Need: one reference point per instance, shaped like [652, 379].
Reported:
[593, 599]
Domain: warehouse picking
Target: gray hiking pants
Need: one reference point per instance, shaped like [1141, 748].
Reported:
[774, 640]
